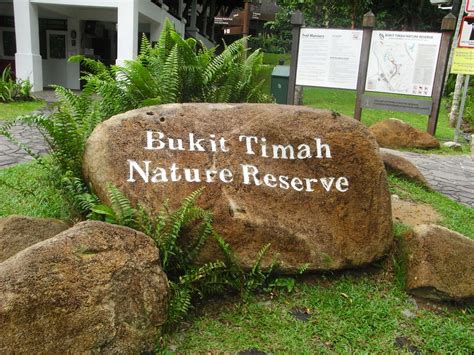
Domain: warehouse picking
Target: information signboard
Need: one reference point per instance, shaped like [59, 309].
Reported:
[403, 62]
[328, 58]
[466, 35]
[463, 61]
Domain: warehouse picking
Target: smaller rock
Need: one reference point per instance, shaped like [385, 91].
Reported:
[400, 166]
[94, 288]
[440, 264]
[453, 146]
[19, 232]
[395, 134]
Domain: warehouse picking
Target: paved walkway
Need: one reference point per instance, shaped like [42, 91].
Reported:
[11, 154]
[452, 175]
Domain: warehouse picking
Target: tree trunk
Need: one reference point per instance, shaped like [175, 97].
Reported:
[456, 98]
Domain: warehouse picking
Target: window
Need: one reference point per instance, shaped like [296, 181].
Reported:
[57, 45]
[9, 44]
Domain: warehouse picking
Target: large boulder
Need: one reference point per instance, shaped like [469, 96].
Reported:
[395, 134]
[93, 288]
[19, 232]
[309, 182]
[400, 166]
[440, 263]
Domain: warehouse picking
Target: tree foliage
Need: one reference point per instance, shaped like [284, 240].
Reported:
[410, 15]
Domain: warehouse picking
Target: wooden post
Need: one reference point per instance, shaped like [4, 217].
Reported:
[447, 28]
[297, 20]
[368, 25]
[246, 22]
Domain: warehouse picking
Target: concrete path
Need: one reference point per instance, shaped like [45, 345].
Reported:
[11, 154]
[452, 175]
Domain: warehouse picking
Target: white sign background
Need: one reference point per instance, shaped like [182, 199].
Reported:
[329, 58]
[403, 62]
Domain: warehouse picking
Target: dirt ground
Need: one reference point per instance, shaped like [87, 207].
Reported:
[411, 213]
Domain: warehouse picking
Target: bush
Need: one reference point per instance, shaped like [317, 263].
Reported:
[269, 43]
[11, 90]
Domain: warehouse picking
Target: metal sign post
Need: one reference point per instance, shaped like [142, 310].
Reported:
[461, 109]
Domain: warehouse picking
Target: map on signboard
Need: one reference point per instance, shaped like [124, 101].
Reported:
[403, 62]
[328, 58]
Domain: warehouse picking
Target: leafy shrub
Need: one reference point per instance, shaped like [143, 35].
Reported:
[269, 43]
[177, 70]
[11, 90]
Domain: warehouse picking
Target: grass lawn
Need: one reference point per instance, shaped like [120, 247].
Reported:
[25, 190]
[11, 110]
[348, 313]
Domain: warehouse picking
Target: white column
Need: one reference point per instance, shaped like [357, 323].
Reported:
[27, 57]
[192, 29]
[127, 30]
[155, 31]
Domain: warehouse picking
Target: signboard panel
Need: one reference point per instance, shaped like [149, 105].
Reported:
[403, 62]
[329, 58]
[470, 6]
[463, 61]
[388, 103]
[466, 35]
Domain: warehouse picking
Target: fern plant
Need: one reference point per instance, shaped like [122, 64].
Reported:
[178, 70]
[180, 236]
[11, 90]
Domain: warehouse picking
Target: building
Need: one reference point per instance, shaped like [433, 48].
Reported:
[260, 12]
[38, 36]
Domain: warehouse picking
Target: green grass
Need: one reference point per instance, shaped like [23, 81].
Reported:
[348, 314]
[11, 110]
[274, 58]
[455, 216]
[25, 190]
